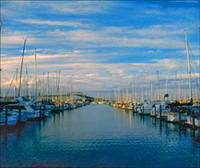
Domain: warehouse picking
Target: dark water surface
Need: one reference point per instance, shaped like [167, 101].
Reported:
[99, 136]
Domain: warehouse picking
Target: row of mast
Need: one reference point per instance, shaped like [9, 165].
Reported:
[124, 96]
[58, 77]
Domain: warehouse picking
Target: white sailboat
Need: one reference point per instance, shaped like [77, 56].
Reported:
[28, 108]
[145, 108]
[164, 108]
[194, 118]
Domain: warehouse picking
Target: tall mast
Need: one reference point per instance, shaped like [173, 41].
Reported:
[158, 89]
[20, 78]
[175, 86]
[189, 66]
[118, 94]
[43, 85]
[180, 96]
[0, 59]
[146, 86]
[127, 95]
[48, 86]
[166, 86]
[53, 83]
[133, 91]
[142, 87]
[58, 84]
[27, 85]
[35, 71]
[151, 91]
[16, 83]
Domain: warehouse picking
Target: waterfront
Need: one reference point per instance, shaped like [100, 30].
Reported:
[100, 136]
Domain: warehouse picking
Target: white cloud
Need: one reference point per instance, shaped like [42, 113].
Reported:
[106, 38]
[81, 7]
[54, 23]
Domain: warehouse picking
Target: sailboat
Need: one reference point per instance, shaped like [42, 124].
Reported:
[148, 106]
[7, 116]
[194, 118]
[190, 113]
[27, 107]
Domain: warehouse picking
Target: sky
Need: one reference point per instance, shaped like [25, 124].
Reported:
[100, 45]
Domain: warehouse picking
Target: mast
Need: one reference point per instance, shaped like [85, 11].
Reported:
[158, 89]
[166, 86]
[118, 94]
[175, 86]
[127, 95]
[27, 85]
[35, 71]
[180, 78]
[189, 67]
[16, 83]
[142, 87]
[133, 91]
[151, 92]
[6, 96]
[43, 85]
[146, 86]
[53, 83]
[0, 60]
[22, 61]
[58, 85]
[48, 86]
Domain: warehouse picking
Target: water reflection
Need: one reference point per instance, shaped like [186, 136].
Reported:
[99, 135]
[133, 119]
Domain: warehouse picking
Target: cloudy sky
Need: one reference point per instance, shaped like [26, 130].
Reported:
[100, 45]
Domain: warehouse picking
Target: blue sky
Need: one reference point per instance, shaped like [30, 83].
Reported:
[99, 45]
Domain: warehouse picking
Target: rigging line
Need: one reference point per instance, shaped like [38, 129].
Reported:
[193, 58]
[21, 69]
[10, 86]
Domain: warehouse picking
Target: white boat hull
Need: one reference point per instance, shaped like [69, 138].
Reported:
[144, 111]
[190, 121]
[174, 117]
[32, 115]
[23, 115]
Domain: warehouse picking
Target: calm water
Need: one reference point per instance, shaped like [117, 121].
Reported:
[100, 136]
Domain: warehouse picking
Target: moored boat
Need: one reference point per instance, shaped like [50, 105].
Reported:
[194, 118]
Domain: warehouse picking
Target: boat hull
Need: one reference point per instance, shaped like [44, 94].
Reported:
[11, 120]
[174, 118]
[190, 121]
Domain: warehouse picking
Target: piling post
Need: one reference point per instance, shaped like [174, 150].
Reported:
[40, 111]
[54, 107]
[179, 113]
[6, 116]
[193, 120]
[43, 112]
[155, 111]
[160, 112]
[20, 113]
[143, 109]
[62, 107]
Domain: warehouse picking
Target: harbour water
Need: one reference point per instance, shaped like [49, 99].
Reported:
[99, 136]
